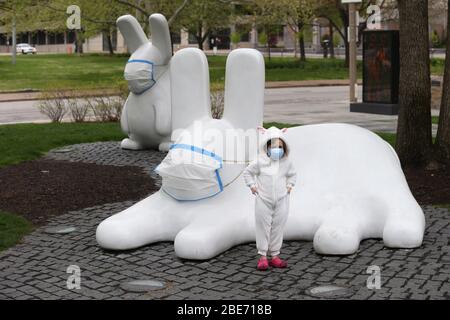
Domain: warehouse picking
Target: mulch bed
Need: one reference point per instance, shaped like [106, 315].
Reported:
[429, 186]
[40, 189]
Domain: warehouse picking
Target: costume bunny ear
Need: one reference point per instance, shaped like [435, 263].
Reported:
[159, 29]
[132, 32]
[284, 130]
[261, 129]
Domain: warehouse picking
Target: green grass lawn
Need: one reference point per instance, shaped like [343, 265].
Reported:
[12, 229]
[94, 71]
[286, 69]
[60, 71]
[20, 142]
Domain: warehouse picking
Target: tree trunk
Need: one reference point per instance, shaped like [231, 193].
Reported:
[296, 41]
[110, 44]
[343, 13]
[301, 42]
[443, 133]
[414, 140]
[199, 35]
[331, 40]
[78, 42]
[302, 47]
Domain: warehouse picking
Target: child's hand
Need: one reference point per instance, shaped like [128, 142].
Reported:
[254, 190]
[289, 189]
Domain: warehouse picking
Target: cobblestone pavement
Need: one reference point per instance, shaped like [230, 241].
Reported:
[37, 267]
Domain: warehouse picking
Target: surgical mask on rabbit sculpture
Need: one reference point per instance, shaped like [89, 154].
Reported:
[140, 75]
[276, 153]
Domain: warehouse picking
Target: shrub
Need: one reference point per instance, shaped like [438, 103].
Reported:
[106, 108]
[235, 38]
[53, 105]
[435, 40]
[217, 104]
[262, 38]
[78, 109]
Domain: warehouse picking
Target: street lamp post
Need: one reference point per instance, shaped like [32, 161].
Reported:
[352, 45]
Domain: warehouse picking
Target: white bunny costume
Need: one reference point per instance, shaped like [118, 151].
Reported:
[271, 178]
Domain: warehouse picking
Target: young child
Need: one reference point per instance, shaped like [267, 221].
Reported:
[271, 178]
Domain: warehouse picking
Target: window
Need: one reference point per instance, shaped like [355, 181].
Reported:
[59, 38]
[176, 37]
[192, 39]
[23, 38]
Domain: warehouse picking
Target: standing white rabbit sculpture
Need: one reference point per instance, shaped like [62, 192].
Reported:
[350, 183]
[146, 116]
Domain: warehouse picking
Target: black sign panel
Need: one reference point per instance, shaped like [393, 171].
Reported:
[381, 66]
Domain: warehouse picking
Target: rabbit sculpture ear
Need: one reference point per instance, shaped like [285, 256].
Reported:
[284, 130]
[261, 129]
[161, 36]
[132, 32]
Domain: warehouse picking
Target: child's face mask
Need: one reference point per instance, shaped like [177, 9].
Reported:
[276, 153]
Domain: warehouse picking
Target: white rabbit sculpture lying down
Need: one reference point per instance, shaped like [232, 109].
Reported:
[350, 184]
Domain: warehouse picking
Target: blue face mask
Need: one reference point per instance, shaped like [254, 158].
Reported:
[140, 75]
[275, 153]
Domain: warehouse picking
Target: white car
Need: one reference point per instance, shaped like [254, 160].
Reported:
[25, 48]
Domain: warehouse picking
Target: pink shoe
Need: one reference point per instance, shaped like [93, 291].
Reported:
[277, 263]
[263, 264]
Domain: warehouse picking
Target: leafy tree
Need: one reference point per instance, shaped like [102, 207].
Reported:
[337, 15]
[144, 8]
[297, 14]
[268, 16]
[202, 17]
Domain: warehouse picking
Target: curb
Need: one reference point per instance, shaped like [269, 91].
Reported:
[38, 95]
[31, 95]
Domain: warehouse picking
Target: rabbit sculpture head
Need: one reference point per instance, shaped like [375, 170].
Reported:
[146, 117]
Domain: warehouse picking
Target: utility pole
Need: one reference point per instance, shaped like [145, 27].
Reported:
[352, 45]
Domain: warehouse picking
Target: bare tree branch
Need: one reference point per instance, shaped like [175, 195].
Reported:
[130, 4]
[177, 12]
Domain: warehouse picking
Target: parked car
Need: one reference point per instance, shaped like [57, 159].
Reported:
[25, 48]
